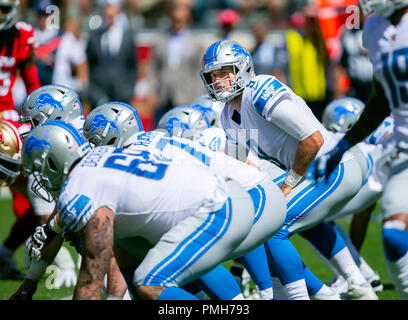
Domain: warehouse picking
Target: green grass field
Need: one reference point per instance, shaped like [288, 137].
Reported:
[372, 251]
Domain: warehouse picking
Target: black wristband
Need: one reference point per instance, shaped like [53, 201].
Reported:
[49, 233]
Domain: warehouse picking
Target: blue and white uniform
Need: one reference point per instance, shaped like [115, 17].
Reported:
[267, 198]
[180, 227]
[387, 45]
[279, 119]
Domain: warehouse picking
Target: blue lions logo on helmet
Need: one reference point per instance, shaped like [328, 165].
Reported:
[341, 111]
[33, 143]
[100, 121]
[175, 123]
[46, 99]
[237, 50]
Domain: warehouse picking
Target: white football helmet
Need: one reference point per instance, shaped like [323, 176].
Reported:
[187, 121]
[51, 102]
[112, 123]
[217, 106]
[10, 153]
[384, 8]
[9, 13]
[49, 151]
[341, 114]
[227, 53]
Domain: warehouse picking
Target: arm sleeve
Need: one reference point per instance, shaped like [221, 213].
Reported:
[31, 78]
[292, 118]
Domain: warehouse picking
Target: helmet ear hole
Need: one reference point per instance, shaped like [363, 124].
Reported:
[52, 165]
[111, 141]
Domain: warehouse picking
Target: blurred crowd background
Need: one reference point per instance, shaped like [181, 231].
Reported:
[148, 52]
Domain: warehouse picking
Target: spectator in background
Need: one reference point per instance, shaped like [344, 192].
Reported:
[86, 13]
[204, 10]
[48, 39]
[267, 57]
[354, 63]
[176, 63]
[276, 10]
[227, 20]
[112, 58]
[71, 65]
[308, 59]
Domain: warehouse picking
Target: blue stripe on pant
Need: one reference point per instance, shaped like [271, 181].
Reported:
[192, 248]
[306, 200]
[258, 199]
[255, 261]
[280, 251]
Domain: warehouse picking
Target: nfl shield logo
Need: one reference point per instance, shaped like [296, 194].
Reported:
[132, 123]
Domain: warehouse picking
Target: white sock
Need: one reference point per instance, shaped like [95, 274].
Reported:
[239, 297]
[366, 269]
[279, 291]
[398, 272]
[325, 291]
[127, 296]
[266, 294]
[345, 265]
[105, 284]
[297, 290]
[6, 252]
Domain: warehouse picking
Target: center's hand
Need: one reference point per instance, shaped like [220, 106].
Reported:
[285, 189]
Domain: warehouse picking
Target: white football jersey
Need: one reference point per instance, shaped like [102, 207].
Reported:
[387, 47]
[183, 150]
[129, 182]
[275, 119]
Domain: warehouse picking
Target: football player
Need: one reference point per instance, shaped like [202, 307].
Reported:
[16, 55]
[384, 36]
[289, 136]
[189, 120]
[56, 102]
[170, 242]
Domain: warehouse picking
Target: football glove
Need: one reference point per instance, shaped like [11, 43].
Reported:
[325, 164]
[41, 237]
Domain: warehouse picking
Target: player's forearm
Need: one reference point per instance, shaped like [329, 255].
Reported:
[49, 252]
[306, 152]
[376, 110]
[97, 251]
[29, 73]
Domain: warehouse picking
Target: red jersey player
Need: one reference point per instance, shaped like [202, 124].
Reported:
[16, 57]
